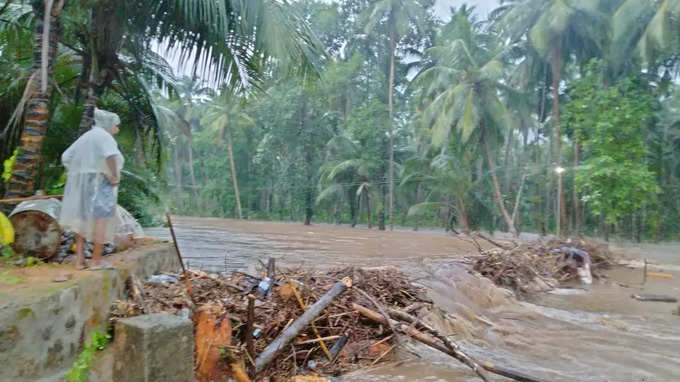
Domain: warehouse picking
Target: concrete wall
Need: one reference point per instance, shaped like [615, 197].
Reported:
[42, 330]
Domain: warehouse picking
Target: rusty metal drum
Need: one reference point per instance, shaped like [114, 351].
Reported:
[36, 224]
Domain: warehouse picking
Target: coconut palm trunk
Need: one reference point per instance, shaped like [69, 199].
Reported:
[556, 63]
[575, 198]
[178, 179]
[192, 174]
[36, 111]
[496, 185]
[234, 179]
[367, 200]
[462, 214]
[390, 176]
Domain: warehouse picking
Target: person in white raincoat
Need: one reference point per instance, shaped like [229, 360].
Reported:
[93, 163]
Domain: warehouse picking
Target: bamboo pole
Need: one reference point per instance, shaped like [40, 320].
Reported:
[250, 345]
[181, 263]
[270, 352]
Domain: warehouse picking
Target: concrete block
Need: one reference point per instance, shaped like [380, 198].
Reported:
[154, 347]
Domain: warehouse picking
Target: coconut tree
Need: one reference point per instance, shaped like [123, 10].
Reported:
[650, 28]
[349, 175]
[399, 16]
[557, 30]
[38, 91]
[443, 176]
[222, 114]
[228, 41]
[463, 81]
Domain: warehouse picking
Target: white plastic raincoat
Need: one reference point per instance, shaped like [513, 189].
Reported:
[88, 195]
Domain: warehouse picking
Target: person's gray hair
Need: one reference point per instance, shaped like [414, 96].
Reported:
[105, 119]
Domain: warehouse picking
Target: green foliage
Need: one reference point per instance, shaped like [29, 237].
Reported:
[6, 252]
[609, 124]
[81, 368]
[317, 144]
[9, 165]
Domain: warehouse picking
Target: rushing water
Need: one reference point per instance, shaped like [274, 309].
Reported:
[576, 334]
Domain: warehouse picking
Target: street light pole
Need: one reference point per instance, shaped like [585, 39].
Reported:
[559, 170]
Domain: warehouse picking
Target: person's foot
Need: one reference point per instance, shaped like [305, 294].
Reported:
[81, 265]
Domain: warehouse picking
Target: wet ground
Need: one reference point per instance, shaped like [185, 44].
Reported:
[598, 334]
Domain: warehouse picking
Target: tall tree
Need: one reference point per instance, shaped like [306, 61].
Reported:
[38, 91]
[227, 40]
[557, 29]
[400, 15]
[650, 28]
[464, 81]
[223, 113]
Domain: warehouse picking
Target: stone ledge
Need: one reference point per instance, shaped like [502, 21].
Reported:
[43, 324]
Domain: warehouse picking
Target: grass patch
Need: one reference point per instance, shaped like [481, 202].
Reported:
[81, 368]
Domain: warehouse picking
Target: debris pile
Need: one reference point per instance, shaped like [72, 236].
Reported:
[533, 267]
[296, 324]
[337, 340]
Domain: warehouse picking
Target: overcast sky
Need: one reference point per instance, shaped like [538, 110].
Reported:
[483, 7]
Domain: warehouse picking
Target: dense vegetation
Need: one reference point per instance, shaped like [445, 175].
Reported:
[547, 113]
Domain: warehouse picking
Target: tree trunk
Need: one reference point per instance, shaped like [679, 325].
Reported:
[367, 199]
[192, 176]
[87, 119]
[507, 181]
[234, 178]
[353, 211]
[549, 188]
[556, 63]
[462, 214]
[308, 207]
[178, 179]
[518, 199]
[36, 111]
[391, 147]
[575, 199]
[496, 185]
[447, 214]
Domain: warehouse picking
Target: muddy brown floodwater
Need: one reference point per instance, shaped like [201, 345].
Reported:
[575, 334]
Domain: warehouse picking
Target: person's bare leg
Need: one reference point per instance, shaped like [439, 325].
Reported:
[80, 252]
[99, 232]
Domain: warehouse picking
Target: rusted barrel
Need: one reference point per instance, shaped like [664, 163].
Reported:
[36, 226]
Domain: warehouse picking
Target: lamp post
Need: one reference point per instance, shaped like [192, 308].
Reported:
[559, 170]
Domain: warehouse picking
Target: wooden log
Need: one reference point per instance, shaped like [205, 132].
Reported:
[212, 335]
[280, 342]
[459, 355]
[654, 297]
[339, 345]
[659, 275]
[322, 344]
[427, 328]
[382, 310]
[421, 337]
[239, 373]
[250, 345]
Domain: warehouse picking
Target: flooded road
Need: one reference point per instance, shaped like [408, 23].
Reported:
[599, 334]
